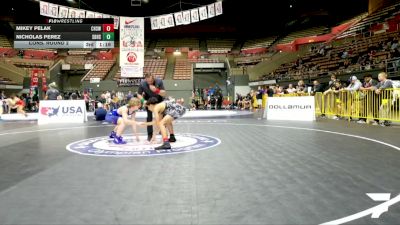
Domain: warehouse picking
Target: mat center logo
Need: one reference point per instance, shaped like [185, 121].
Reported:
[104, 146]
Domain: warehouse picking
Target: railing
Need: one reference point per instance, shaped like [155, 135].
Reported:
[368, 105]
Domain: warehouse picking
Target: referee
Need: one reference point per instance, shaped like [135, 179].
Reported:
[151, 87]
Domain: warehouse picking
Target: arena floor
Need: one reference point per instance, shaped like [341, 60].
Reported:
[233, 171]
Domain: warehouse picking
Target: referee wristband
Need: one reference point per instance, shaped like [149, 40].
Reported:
[157, 91]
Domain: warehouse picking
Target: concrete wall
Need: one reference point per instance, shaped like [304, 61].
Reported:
[374, 5]
[176, 89]
[55, 75]
[70, 83]
[240, 84]
[205, 80]
[179, 89]
[106, 85]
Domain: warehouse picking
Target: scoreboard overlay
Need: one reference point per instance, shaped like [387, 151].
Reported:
[66, 33]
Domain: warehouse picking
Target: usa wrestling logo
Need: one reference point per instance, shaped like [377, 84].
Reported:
[49, 111]
[104, 146]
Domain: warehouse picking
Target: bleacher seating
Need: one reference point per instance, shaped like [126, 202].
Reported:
[192, 43]
[40, 54]
[4, 42]
[200, 60]
[100, 69]
[368, 21]
[4, 80]
[8, 52]
[323, 64]
[218, 45]
[79, 60]
[157, 67]
[313, 31]
[79, 52]
[259, 43]
[183, 70]
[32, 64]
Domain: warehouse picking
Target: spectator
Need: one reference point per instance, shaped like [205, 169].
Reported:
[291, 89]
[114, 103]
[35, 102]
[108, 97]
[317, 87]
[239, 101]
[205, 98]
[129, 96]
[102, 98]
[86, 98]
[367, 97]
[270, 91]
[334, 91]
[395, 44]
[100, 113]
[247, 102]
[3, 103]
[354, 99]
[332, 81]
[369, 83]
[220, 98]
[67, 95]
[211, 91]
[301, 87]
[52, 93]
[74, 96]
[383, 84]
[345, 54]
[354, 85]
[259, 97]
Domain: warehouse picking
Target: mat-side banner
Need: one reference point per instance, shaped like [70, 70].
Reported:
[291, 108]
[62, 111]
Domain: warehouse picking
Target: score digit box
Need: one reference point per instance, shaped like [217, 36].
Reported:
[108, 27]
[108, 36]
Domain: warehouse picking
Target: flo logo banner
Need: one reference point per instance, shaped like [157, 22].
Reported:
[104, 146]
[62, 111]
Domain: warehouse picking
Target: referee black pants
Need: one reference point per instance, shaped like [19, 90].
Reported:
[149, 119]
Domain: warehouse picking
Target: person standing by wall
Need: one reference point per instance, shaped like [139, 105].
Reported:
[3, 103]
[52, 93]
[259, 96]
[86, 98]
[382, 98]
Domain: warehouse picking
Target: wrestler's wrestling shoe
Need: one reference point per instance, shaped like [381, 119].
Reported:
[172, 138]
[119, 140]
[165, 145]
[113, 134]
